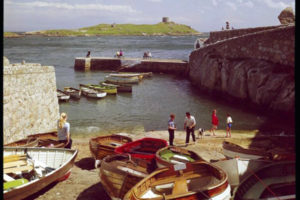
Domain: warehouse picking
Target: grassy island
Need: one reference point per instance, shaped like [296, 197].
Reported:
[11, 35]
[169, 28]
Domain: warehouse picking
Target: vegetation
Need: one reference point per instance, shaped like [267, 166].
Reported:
[170, 28]
[11, 34]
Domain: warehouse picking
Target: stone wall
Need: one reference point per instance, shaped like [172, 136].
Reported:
[215, 36]
[29, 100]
[256, 68]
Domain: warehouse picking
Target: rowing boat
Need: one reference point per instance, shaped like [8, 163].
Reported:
[62, 96]
[27, 170]
[127, 75]
[119, 173]
[105, 145]
[273, 181]
[48, 135]
[28, 142]
[120, 87]
[121, 80]
[172, 155]
[144, 148]
[102, 88]
[192, 181]
[73, 92]
[88, 92]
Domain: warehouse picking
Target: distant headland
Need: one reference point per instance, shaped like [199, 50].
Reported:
[165, 27]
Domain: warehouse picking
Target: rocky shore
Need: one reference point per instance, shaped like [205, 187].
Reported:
[84, 182]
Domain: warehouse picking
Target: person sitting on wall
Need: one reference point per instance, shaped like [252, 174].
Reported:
[145, 55]
[117, 54]
[88, 54]
[121, 53]
[149, 54]
[197, 44]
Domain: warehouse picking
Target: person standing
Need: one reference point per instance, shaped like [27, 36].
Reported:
[214, 121]
[229, 124]
[171, 128]
[189, 126]
[63, 131]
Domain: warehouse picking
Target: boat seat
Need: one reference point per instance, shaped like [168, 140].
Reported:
[180, 186]
[16, 164]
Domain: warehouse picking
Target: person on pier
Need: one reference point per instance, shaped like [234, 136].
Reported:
[214, 121]
[189, 126]
[229, 124]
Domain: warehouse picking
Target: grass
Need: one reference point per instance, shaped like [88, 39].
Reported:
[124, 29]
[11, 34]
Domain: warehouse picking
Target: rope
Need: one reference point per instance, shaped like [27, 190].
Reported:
[261, 181]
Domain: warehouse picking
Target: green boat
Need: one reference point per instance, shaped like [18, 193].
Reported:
[103, 88]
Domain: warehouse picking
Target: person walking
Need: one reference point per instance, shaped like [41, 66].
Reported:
[171, 128]
[229, 124]
[63, 131]
[189, 126]
[214, 121]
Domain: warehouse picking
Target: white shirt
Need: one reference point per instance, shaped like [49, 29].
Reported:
[229, 120]
[190, 121]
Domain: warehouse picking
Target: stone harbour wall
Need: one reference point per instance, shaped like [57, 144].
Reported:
[29, 100]
[256, 68]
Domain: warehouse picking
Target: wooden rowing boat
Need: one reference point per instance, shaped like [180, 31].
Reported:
[121, 80]
[102, 88]
[144, 148]
[120, 88]
[127, 75]
[196, 180]
[238, 169]
[119, 173]
[232, 150]
[49, 164]
[28, 142]
[73, 92]
[48, 135]
[172, 155]
[273, 181]
[88, 92]
[62, 96]
[105, 145]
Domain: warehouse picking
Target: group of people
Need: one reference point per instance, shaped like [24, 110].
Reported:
[147, 54]
[119, 53]
[190, 123]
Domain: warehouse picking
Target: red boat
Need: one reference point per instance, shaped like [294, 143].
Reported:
[144, 148]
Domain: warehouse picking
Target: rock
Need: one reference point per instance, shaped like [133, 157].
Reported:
[287, 16]
[5, 61]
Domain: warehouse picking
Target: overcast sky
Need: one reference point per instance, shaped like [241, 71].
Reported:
[202, 15]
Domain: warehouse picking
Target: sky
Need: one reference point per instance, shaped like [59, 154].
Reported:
[201, 15]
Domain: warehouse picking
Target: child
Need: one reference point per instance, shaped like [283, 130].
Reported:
[229, 124]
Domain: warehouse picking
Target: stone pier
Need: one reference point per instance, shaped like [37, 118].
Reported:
[168, 66]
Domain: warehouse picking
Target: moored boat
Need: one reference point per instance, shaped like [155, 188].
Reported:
[73, 92]
[119, 173]
[121, 80]
[144, 148]
[47, 135]
[273, 181]
[88, 92]
[105, 145]
[127, 75]
[193, 181]
[27, 142]
[62, 96]
[120, 88]
[102, 88]
[49, 164]
[232, 150]
[172, 155]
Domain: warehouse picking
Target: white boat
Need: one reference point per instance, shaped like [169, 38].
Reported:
[121, 80]
[272, 182]
[237, 168]
[62, 96]
[88, 92]
[27, 170]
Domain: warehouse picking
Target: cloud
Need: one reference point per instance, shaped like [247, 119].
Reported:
[279, 5]
[231, 5]
[214, 2]
[249, 4]
[155, 0]
[85, 7]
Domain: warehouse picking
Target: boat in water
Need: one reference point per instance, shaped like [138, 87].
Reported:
[105, 145]
[172, 155]
[120, 87]
[144, 148]
[62, 96]
[274, 181]
[27, 170]
[92, 93]
[103, 88]
[192, 181]
[73, 92]
[121, 80]
[119, 173]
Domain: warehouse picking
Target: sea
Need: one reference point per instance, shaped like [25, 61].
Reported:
[149, 105]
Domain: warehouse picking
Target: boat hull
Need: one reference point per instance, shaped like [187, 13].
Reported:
[73, 92]
[34, 186]
[121, 80]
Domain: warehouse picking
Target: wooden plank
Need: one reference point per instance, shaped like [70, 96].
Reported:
[172, 179]
[18, 169]
[14, 163]
[11, 158]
